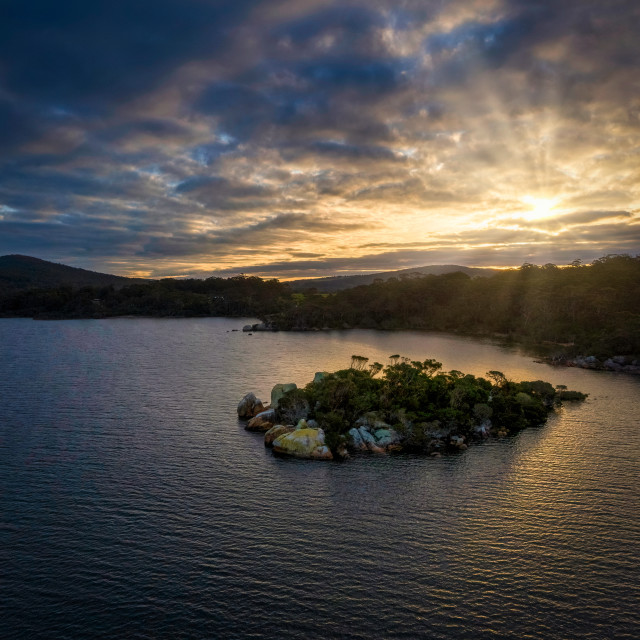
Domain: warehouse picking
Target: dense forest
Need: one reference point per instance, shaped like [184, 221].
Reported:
[237, 296]
[593, 308]
[582, 308]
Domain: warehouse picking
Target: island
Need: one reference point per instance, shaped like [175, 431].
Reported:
[406, 406]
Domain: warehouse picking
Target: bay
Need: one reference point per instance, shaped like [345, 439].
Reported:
[134, 504]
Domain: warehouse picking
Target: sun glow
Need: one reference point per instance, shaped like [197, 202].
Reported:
[539, 207]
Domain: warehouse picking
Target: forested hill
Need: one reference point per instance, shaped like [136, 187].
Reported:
[24, 272]
[338, 283]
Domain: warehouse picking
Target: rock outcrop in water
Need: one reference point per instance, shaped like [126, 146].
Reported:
[411, 407]
[262, 421]
[622, 364]
[275, 432]
[249, 406]
[303, 442]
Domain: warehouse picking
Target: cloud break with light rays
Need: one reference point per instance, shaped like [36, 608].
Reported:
[305, 138]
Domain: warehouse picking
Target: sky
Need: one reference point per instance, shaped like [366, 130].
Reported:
[308, 138]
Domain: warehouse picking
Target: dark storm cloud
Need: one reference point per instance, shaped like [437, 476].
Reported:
[90, 53]
[159, 129]
[57, 239]
[365, 76]
[350, 21]
[80, 183]
[18, 125]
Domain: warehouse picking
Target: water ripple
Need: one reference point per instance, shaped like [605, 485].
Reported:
[135, 505]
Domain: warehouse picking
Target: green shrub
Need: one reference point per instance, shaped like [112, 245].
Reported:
[418, 400]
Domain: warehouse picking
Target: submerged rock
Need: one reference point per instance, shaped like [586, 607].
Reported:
[259, 326]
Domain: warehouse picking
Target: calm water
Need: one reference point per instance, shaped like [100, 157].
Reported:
[134, 505]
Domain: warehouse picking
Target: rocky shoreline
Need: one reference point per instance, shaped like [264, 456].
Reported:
[619, 363]
[622, 364]
[305, 439]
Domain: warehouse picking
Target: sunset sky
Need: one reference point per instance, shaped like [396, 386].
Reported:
[307, 138]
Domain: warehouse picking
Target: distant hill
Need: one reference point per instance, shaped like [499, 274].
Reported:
[23, 272]
[338, 283]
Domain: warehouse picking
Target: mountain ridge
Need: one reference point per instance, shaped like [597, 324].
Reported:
[329, 284]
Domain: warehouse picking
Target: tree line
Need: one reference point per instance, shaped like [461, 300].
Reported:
[591, 308]
[232, 297]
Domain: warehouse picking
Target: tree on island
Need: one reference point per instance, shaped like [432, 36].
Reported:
[429, 410]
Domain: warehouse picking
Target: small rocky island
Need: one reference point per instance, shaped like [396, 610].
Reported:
[409, 406]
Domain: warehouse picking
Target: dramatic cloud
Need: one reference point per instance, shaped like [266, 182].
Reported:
[292, 138]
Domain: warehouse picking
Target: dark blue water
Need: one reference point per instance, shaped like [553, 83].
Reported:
[134, 505]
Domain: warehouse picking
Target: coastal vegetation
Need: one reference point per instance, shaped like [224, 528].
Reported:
[563, 312]
[408, 405]
[592, 309]
[169, 297]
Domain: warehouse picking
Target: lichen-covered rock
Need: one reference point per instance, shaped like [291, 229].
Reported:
[387, 437]
[263, 421]
[268, 415]
[355, 440]
[370, 419]
[321, 453]
[259, 408]
[303, 443]
[457, 441]
[370, 441]
[249, 406]
[276, 431]
[258, 424]
[319, 376]
[278, 391]
[303, 424]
